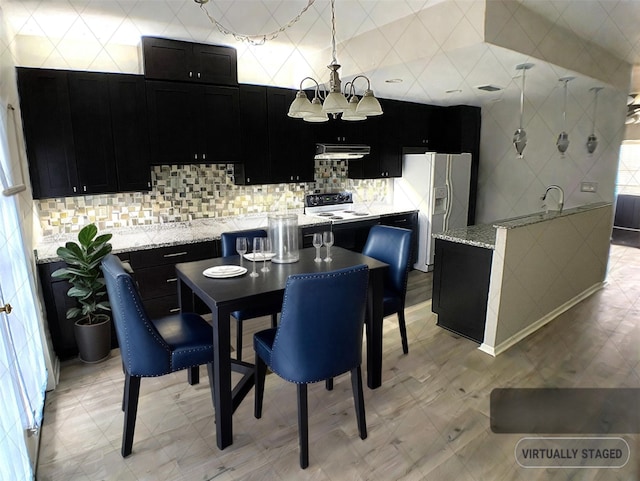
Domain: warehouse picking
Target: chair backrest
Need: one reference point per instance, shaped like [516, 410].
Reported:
[391, 245]
[320, 330]
[144, 352]
[228, 240]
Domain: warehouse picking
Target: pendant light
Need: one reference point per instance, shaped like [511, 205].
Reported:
[520, 136]
[335, 102]
[592, 140]
[563, 138]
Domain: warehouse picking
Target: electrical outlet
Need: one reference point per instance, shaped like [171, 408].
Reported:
[588, 187]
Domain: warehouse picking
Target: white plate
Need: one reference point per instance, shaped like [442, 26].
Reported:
[260, 257]
[221, 272]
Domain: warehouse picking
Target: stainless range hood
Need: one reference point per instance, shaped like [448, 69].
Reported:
[341, 151]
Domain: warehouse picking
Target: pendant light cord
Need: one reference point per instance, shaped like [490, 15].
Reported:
[564, 108]
[258, 39]
[524, 71]
[595, 105]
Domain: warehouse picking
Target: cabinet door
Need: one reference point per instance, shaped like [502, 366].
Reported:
[215, 64]
[130, 132]
[46, 117]
[218, 128]
[93, 140]
[166, 59]
[254, 166]
[291, 148]
[171, 130]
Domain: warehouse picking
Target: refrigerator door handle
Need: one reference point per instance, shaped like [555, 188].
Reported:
[447, 213]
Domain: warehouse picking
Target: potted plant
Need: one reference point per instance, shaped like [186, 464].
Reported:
[92, 326]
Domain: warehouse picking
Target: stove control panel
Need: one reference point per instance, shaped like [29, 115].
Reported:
[336, 198]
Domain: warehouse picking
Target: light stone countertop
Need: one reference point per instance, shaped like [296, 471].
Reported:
[142, 237]
[484, 235]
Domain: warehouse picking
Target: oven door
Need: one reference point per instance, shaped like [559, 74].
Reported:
[352, 235]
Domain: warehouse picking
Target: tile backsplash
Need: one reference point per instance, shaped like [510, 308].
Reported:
[186, 192]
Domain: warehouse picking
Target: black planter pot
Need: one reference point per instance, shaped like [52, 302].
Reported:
[94, 340]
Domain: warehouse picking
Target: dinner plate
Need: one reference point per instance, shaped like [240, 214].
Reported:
[221, 272]
[260, 256]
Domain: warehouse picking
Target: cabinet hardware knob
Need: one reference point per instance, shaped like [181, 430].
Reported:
[6, 308]
[173, 279]
[74, 189]
[190, 74]
[84, 188]
[195, 156]
[175, 309]
[198, 74]
[204, 156]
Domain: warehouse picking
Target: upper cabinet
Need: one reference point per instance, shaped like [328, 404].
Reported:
[80, 138]
[191, 124]
[166, 59]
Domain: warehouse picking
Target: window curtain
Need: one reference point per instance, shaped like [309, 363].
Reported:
[23, 374]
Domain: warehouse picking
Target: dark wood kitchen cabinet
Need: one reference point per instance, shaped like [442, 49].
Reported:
[193, 124]
[461, 287]
[291, 145]
[80, 137]
[408, 220]
[254, 145]
[167, 59]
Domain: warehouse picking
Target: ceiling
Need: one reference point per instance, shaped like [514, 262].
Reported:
[435, 47]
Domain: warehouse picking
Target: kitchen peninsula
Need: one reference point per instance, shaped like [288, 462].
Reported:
[497, 283]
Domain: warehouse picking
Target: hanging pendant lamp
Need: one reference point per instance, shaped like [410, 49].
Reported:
[335, 102]
[520, 136]
[592, 140]
[563, 138]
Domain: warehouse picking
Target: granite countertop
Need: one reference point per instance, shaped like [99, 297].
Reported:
[201, 230]
[484, 235]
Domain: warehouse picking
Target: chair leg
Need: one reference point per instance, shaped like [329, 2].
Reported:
[328, 384]
[239, 340]
[194, 375]
[260, 373]
[303, 425]
[358, 399]
[132, 391]
[403, 331]
[274, 320]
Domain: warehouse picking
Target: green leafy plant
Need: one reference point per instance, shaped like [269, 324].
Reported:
[84, 274]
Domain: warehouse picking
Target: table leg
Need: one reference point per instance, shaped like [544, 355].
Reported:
[223, 398]
[374, 328]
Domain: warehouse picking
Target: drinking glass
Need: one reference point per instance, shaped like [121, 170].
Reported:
[327, 239]
[317, 243]
[241, 247]
[257, 250]
[266, 249]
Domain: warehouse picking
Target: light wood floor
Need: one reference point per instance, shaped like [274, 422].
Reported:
[428, 421]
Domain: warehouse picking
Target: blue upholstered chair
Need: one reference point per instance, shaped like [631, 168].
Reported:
[228, 240]
[151, 347]
[392, 245]
[319, 337]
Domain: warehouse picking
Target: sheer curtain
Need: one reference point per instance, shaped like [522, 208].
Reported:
[23, 375]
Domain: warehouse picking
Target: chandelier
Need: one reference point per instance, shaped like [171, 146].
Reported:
[335, 101]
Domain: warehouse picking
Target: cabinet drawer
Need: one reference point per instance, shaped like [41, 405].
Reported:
[172, 255]
[162, 306]
[407, 221]
[157, 281]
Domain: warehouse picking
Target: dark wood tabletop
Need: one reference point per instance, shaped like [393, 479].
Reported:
[223, 296]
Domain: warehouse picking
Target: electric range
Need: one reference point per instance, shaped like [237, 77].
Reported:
[336, 207]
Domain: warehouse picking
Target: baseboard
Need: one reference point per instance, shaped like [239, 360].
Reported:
[518, 336]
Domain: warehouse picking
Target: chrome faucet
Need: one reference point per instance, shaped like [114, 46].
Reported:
[560, 193]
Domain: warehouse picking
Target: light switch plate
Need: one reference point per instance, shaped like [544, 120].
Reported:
[588, 187]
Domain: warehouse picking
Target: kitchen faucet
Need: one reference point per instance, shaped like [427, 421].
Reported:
[560, 198]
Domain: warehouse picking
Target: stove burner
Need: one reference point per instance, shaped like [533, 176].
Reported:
[325, 214]
[360, 213]
[336, 217]
[348, 212]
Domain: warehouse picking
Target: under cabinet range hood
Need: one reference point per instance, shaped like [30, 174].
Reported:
[341, 151]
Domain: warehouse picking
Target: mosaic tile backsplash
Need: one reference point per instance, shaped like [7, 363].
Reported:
[186, 192]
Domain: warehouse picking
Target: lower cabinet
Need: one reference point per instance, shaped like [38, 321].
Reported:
[406, 221]
[461, 287]
[154, 271]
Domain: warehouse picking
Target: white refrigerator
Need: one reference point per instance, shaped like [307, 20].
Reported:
[437, 185]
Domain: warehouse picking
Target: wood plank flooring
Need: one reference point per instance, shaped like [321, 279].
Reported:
[428, 421]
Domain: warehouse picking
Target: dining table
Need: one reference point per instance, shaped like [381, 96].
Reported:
[224, 295]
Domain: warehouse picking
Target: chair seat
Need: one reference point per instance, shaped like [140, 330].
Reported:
[263, 342]
[392, 302]
[253, 312]
[189, 337]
